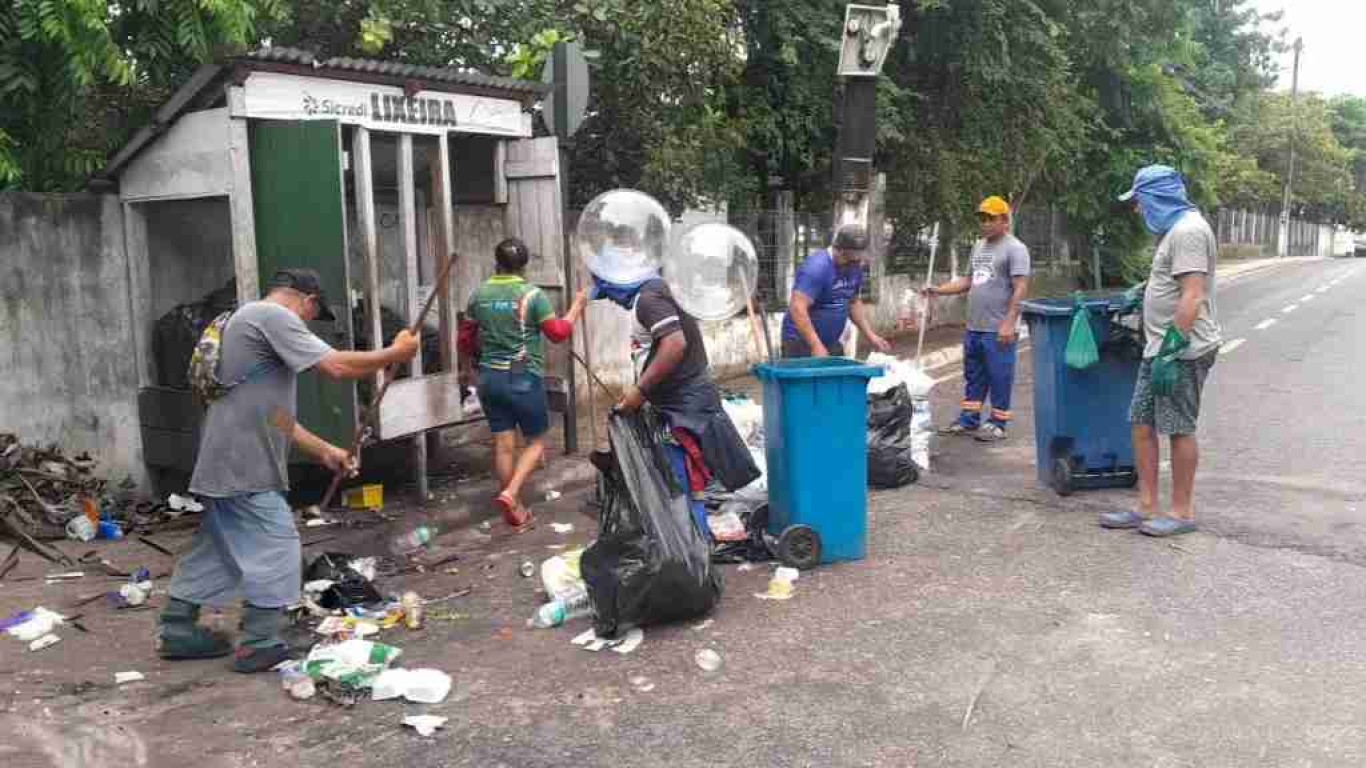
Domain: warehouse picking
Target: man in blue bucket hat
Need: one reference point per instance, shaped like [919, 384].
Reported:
[1182, 341]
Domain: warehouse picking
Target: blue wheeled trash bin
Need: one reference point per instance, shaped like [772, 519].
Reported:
[816, 443]
[1082, 437]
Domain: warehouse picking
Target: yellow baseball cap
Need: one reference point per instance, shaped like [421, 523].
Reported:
[994, 206]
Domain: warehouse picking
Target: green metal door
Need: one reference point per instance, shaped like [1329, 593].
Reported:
[296, 184]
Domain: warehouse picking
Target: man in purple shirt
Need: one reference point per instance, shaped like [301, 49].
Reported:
[825, 294]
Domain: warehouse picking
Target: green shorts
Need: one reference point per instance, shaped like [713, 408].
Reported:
[1177, 413]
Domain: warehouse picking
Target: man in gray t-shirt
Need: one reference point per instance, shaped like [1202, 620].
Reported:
[1182, 338]
[247, 545]
[998, 283]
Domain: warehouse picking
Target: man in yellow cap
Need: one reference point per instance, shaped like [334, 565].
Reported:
[998, 284]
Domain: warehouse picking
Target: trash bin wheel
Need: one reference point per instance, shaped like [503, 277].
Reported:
[1062, 477]
[799, 546]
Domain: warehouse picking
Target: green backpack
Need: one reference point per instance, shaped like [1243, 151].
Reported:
[1081, 342]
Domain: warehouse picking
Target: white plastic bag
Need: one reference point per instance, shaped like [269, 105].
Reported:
[922, 433]
[420, 686]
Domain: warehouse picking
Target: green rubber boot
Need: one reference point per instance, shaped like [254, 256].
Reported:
[181, 637]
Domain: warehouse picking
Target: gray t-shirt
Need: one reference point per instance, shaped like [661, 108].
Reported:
[1188, 247]
[245, 445]
[993, 267]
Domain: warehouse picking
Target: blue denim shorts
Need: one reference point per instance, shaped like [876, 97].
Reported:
[514, 401]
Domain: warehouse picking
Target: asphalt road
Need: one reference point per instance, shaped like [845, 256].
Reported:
[992, 624]
[1285, 427]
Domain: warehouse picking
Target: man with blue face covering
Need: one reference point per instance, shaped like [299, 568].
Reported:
[1182, 341]
[673, 375]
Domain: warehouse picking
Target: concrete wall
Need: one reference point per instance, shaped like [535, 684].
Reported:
[66, 335]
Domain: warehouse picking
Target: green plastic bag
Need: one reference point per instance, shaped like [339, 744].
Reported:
[1081, 342]
[1165, 366]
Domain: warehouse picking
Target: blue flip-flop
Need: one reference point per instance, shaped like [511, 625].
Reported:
[1122, 519]
[1162, 527]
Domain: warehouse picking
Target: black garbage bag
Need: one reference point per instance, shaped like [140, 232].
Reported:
[348, 588]
[891, 463]
[650, 563]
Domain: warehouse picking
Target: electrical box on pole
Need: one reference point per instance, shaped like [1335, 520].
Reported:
[869, 33]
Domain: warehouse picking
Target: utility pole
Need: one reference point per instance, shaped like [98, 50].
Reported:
[1283, 243]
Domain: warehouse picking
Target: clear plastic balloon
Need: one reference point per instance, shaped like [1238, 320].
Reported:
[713, 271]
[623, 236]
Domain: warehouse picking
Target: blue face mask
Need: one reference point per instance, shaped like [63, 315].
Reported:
[621, 295]
[1163, 201]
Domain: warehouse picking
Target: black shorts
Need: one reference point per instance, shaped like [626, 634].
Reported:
[799, 348]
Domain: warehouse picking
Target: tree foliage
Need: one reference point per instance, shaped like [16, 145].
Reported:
[75, 74]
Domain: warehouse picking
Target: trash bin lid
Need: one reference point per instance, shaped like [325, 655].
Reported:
[1063, 307]
[816, 368]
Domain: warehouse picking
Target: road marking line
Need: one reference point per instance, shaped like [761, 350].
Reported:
[1307, 297]
[1229, 346]
[1324, 289]
[1290, 309]
[1267, 323]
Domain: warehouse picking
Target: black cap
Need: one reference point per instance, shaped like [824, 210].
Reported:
[851, 237]
[307, 282]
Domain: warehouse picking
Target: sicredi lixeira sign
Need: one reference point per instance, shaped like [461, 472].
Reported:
[274, 96]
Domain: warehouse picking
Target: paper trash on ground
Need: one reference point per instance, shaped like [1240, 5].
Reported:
[420, 686]
[128, 677]
[425, 725]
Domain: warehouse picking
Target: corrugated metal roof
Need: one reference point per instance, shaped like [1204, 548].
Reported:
[394, 69]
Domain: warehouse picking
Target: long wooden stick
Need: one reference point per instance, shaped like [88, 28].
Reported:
[925, 302]
[366, 426]
[760, 338]
[612, 393]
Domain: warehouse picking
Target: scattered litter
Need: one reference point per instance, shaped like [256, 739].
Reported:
[425, 725]
[365, 566]
[44, 642]
[367, 497]
[420, 686]
[727, 527]
[128, 677]
[135, 592]
[642, 684]
[780, 586]
[562, 528]
[80, 528]
[553, 495]
[412, 610]
[346, 627]
[630, 642]
[745, 567]
[589, 640]
[295, 681]
[181, 504]
[528, 569]
[353, 663]
[560, 575]
[318, 586]
[53, 578]
[486, 526]
[707, 660]
[444, 615]
[572, 605]
[703, 625]
[556, 547]
[318, 522]
[28, 626]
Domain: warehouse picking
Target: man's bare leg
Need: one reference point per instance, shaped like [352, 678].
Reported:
[526, 464]
[1185, 460]
[1146, 455]
[505, 456]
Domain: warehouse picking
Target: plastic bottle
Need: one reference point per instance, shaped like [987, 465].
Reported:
[412, 610]
[571, 606]
[413, 540]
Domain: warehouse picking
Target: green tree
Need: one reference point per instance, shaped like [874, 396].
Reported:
[1262, 129]
[74, 74]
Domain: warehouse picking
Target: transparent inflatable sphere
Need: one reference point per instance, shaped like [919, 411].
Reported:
[623, 236]
[713, 271]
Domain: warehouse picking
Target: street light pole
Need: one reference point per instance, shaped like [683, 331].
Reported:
[1283, 244]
